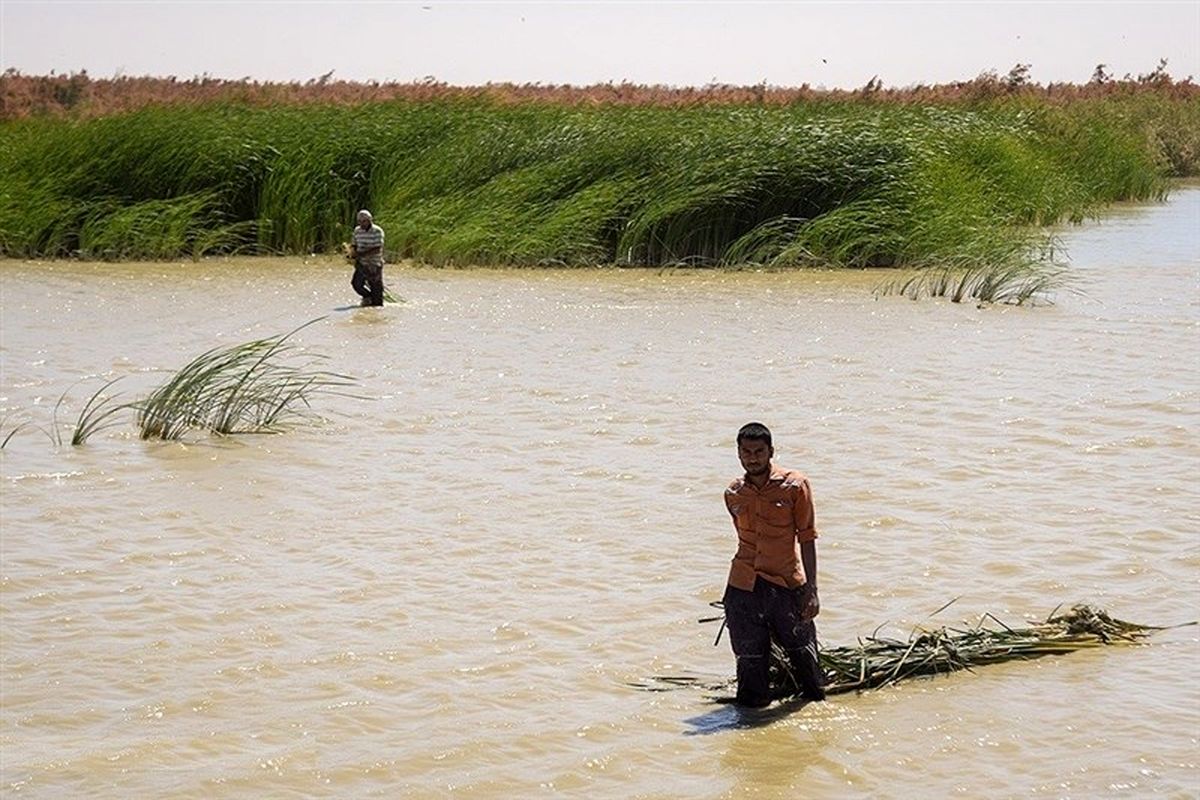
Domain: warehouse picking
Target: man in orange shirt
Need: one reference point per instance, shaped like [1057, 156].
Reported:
[772, 591]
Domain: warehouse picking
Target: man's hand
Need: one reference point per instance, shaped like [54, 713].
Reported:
[810, 604]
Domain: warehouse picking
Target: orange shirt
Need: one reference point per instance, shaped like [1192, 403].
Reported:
[770, 523]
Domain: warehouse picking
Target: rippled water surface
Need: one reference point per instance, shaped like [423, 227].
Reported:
[444, 586]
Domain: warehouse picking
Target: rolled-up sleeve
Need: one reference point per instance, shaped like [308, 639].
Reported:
[804, 516]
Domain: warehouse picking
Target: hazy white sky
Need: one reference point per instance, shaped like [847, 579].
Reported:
[831, 44]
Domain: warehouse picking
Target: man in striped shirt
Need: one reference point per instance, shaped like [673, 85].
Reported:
[368, 260]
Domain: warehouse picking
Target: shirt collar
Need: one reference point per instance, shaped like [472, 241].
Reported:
[777, 476]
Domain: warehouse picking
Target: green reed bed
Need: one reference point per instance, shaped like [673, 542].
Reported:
[458, 182]
[877, 661]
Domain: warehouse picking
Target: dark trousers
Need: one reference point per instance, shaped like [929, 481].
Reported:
[368, 282]
[771, 612]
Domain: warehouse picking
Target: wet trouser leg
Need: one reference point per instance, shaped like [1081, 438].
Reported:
[754, 618]
[359, 281]
[797, 637]
[750, 639]
[375, 285]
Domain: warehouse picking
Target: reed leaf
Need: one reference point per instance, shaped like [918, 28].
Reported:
[97, 414]
[20, 426]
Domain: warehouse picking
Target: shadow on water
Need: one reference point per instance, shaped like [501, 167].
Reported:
[358, 306]
[729, 717]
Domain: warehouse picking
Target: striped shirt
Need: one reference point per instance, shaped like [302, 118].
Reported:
[365, 240]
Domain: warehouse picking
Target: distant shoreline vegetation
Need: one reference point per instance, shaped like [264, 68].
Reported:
[962, 176]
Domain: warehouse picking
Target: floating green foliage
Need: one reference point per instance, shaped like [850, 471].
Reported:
[254, 387]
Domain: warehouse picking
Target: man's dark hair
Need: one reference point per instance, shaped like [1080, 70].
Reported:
[756, 431]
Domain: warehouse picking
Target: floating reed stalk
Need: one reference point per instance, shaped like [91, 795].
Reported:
[15, 430]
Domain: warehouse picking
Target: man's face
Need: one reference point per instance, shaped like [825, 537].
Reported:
[755, 456]
[364, 223]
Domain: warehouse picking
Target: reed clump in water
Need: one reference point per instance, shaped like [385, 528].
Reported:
[1017, 283]
[243, 388]
[97, 414]
[253, 387]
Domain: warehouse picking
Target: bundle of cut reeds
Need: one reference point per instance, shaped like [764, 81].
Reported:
[878, 661]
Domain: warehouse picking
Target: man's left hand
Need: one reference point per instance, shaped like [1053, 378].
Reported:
[810, 604]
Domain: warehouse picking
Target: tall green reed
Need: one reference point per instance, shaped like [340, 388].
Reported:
[469, 182]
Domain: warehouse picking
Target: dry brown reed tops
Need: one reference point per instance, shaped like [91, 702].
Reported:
[78, 94]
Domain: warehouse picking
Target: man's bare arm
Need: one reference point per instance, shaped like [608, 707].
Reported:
[808, 557]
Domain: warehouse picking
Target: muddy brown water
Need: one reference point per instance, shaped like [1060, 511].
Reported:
[443, 587]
